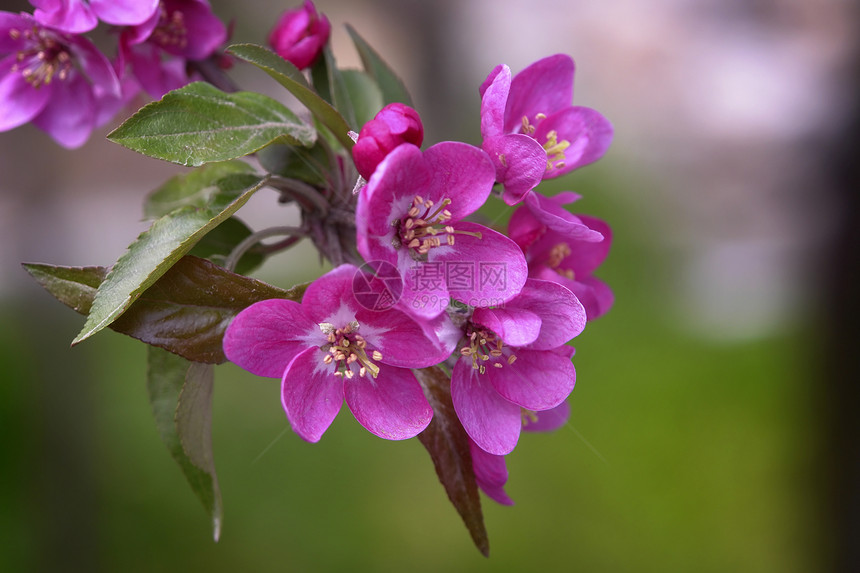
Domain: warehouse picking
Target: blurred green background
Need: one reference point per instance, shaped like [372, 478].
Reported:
[694, 443]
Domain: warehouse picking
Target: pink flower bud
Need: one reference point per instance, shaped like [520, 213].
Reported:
[300, 35]
[396, 123]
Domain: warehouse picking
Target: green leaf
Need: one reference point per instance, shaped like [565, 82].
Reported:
[200, 124]
[157, 249]
[393, 88]
[448, 445]
[193, 188]
[364, 94]
[180, 393]
[292, 79]
[217, 245]
[186, 311]
[75, 287]
[312, 165]
[329, 83]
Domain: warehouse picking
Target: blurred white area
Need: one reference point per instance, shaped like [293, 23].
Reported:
[720, 107]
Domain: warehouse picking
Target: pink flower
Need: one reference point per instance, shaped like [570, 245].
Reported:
[330, 348]
[79, 16]
[158, 49]
[491, 471]
[410, 215]
[58, 81]
[396, 123]
[515, 357]
[535, 105]
[564, 248]
[300, 35]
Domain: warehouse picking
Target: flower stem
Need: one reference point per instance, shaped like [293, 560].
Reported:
[295, 234]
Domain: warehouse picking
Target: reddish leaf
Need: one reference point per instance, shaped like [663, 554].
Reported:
[448, 445]
[186, 311]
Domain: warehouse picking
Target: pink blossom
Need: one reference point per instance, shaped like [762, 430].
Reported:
[564, 248]
[159, 48]
[79, 16]
[515, 358]
[329, 348]
[58, 81]
[300, 35]
[410, 215]
[396, 123]
[535, 105]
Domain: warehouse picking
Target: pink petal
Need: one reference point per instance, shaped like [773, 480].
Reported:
[326, 295]
[128, 13]
[21, 101]
[585, 257]
[391, 406]
[13, 42]
[265, 337]
[485, 271]
[95, 66]
[515, 326]
[537, 380]
[491, 473]
[545, 87]
[494, 99]
[548, 420]
[588, 132]
[311, 394]
[425, 294]
[462, 173]
[520, 164]
[71, 16]
[562, 315]
[69, 117]
[550, 213]
[491, 421]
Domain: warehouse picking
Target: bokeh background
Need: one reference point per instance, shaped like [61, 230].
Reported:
[713, 424]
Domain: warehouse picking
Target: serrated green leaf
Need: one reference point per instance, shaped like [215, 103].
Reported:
[364, 94]
[292, 79]
[75, 287]
[200, 124]
[157, 249]
[392, 87]
[180, 393]
[193, 188]
[186, 311]
[448, 445]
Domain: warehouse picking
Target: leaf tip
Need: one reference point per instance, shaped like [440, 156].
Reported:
[216, 530]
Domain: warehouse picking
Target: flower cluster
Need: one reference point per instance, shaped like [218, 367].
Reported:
[432, 323]
[496, 311]
[52, 75]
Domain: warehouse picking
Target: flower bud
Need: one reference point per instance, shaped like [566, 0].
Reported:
[300, 35]
[396, 123]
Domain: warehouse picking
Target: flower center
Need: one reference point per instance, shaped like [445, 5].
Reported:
[44, 59]
[554, 148]
[171, 31]
[425, 227]
[556, 255]
[484, 347]
[345, 347]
